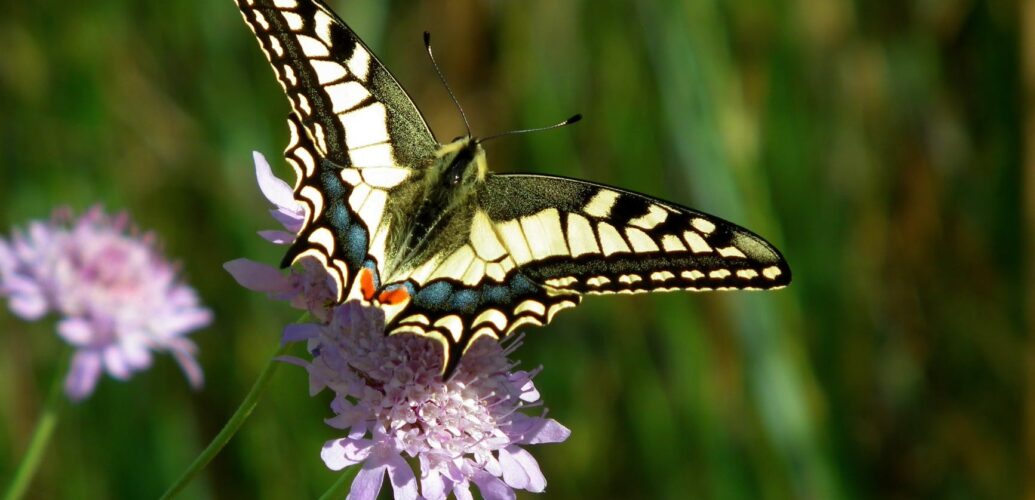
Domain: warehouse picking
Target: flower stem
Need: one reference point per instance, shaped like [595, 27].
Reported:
[231, 427]
[344, 477]
[40, 438]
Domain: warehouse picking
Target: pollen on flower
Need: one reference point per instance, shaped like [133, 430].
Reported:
[119, 299]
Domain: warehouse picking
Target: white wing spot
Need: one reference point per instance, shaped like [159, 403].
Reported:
[719, 274]
[456, 264]
[385, 178]
[703, 225]
[289, 75]
[530, 305]
[366, 126]
[377, 156]
[562, 282]
[598, 281]
[323, 27]
[544, 234]
[514, 239]
[312, 47]
[747, 274]
[671, 243]
[359, 63]
[277, 48]
[611, 240]
[696, 242]
[693, 275]
[641, 242]
[259, 18]
[323, 237]
[313, 195]
[285, 4]
[359, 196]
[475, 272]
[495, 271]
[303, 106]
[662, 276]
[294, 21]
[601, 203]
[483, 238]
[732, 251]
[453, 324]
[328, 71]
[629, 279]
[345, 96]
[772, 272]
[655, 215]
[307, 160]
[494, 316]
[373, 208]
[581, 238]
[351, 176]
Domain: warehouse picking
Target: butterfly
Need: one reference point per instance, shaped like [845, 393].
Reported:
[448, 249]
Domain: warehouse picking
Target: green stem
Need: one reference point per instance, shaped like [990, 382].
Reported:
[40, 438]
[344, 477]
[231, 427]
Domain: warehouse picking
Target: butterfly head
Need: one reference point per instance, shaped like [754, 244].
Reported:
[461, 163]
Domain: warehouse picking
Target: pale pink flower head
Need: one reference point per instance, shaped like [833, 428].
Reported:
[390, 398]
[392, 401]
[119, 299]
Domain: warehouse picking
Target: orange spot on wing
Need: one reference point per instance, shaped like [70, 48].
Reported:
[393, 297]
[366, 283]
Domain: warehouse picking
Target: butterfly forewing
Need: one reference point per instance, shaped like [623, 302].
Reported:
[351, 106]
[571, 235]
[355, 131]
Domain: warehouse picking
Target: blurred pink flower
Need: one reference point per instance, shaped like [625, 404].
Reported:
[117, 296]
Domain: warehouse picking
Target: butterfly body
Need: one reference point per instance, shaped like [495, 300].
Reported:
[448, 249]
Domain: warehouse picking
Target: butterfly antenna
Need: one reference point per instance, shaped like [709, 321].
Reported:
[565, 123]
[427, 45]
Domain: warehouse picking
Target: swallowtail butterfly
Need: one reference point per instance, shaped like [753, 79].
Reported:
[448, 249]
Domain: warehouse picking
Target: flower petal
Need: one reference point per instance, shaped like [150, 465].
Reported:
[537, 430]
[521, 470]
[367, 483]
[83, 374]
[75, 331]
[492, 488]
[29, 307]
[404, 483]
[258, 277]
[273, 188]
[340, 453]
[277, 237]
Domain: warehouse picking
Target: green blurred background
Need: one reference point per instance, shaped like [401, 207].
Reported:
[879, 144]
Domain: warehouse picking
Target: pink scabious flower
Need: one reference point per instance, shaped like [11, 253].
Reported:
[118, 298]
[390, 397]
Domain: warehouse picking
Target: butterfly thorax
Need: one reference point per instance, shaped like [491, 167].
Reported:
[441, 200]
